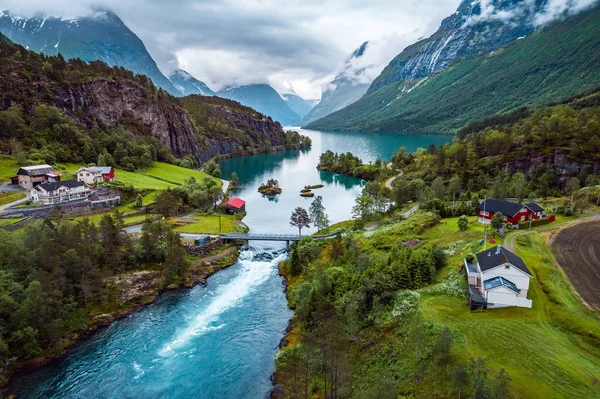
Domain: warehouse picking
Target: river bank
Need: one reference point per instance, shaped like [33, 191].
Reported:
[136, 290]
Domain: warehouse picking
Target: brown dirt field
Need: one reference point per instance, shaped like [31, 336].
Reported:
[577, 250]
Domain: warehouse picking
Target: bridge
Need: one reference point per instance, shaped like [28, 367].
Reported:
[261, 237]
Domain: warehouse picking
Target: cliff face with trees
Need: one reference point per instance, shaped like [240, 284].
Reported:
[96, 96]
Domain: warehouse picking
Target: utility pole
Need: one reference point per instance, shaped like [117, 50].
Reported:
[219, 222]
[484, 224]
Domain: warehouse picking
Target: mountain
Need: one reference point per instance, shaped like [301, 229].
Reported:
[479, 63]
[74, 110]
[298, 104]
[187, 84]
[264, 99]
[348, 87]
[101, 36]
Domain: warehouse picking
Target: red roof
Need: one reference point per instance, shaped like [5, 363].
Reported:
[236, 203]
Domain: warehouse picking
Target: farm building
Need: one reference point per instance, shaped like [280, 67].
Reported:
[58, 192]
[498, 278]
[30, 176]
[95, 174]
[513, 212]
[235, 205]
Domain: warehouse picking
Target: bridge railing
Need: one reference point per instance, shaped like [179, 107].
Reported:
[262, 237]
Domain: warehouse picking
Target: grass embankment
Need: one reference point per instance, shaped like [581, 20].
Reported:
[8, 167]
[8, 222]
[210, 224]
[7, 198]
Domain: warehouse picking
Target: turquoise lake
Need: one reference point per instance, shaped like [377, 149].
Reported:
[218, 341]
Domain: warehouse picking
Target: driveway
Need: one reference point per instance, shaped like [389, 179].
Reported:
[15, 203]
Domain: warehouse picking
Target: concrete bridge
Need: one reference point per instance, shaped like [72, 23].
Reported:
[246, 238]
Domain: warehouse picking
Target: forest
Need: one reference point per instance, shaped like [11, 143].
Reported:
[51, 278]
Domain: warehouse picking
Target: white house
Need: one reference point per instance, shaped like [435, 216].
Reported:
[58, 192]
[95, 174]
[498, 278]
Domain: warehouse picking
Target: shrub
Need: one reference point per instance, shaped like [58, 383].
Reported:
[406, 303]
[534, 223]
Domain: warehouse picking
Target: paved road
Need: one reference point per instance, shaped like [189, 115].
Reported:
[390, 181]
[225, 185]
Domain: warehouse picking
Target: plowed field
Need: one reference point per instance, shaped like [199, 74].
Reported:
[577, 250]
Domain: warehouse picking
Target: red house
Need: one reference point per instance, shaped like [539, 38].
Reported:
[513, 212]
[235, 205]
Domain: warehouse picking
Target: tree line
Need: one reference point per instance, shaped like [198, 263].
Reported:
[52, 277]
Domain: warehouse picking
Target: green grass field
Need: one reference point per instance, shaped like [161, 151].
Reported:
[550, 351]
[7, 198]
[8, 222]
[8, 167]
[210, 225]
[176, 174]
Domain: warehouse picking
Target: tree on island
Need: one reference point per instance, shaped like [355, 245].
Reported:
[318, 215]
[300, 219]
[234, 178]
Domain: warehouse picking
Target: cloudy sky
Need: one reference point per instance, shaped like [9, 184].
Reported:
[292, 44]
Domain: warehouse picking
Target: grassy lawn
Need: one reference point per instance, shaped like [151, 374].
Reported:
[8, 222]
[160, 177]
[336, 228]
[548, 350]
[129, 221]
[8, 167]
[176, 174]
[7, 198]
[210, 225]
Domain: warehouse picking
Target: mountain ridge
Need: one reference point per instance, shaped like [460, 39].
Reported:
[557, 60]
[101, 36]
[344, 90]
[263, 98]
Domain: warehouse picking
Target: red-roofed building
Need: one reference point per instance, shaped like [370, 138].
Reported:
[235, 205]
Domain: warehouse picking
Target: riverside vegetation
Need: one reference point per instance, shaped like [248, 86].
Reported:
[383, 314]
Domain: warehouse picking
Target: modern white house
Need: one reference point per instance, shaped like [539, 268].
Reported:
[498, 278]
[59, 192]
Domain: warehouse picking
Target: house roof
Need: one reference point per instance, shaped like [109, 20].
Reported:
[91, 169]
[498, 256]
[105, 169]
[55, 185]
[500, 281]
[53, 174]
[37, 170]
[236, 203]
[494, 205]
[535, 207]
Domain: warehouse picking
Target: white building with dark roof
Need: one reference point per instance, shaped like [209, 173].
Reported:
[498, 278]
[59, 192]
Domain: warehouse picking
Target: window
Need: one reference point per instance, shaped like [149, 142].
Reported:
[523, 217]
[507, 266]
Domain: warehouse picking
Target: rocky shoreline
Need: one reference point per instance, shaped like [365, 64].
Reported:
[140, 289]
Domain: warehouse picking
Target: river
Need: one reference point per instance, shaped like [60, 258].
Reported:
[217, 341]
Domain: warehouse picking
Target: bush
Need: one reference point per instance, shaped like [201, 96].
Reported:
[534, 223]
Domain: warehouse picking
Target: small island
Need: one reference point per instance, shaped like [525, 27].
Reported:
[315, 187]
[271, 188]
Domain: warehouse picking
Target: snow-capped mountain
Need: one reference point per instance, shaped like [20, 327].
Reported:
[348, 87]
[264, 99]
[187, 84]
[101, 36]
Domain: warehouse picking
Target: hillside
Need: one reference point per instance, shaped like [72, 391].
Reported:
[348, 87]
[556, 61]
[101, 36]
[264, 99]
[98, 103]
[187, 84]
